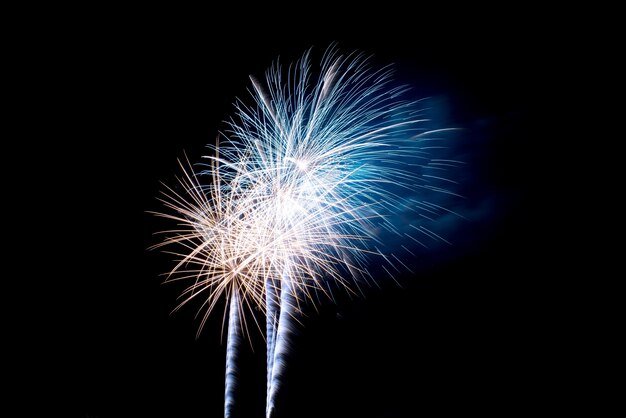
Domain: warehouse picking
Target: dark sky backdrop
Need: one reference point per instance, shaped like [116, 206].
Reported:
[129, 97]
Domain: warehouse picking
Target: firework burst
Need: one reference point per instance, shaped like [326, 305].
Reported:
[334, 156]
[300, 190]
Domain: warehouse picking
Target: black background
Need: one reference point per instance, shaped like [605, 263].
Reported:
[122, 98]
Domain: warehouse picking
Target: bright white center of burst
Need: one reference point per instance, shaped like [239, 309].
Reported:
[288, 207]
[301, 164]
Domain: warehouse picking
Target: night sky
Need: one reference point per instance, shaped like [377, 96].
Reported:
[127, 98]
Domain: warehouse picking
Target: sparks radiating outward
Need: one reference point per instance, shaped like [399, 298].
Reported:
[218, 255]
[299, 192]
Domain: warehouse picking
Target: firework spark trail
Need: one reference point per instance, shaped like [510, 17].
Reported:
[271, 319]
[280, 350]
[233, 343]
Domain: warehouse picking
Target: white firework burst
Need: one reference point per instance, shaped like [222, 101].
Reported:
[299, 190]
